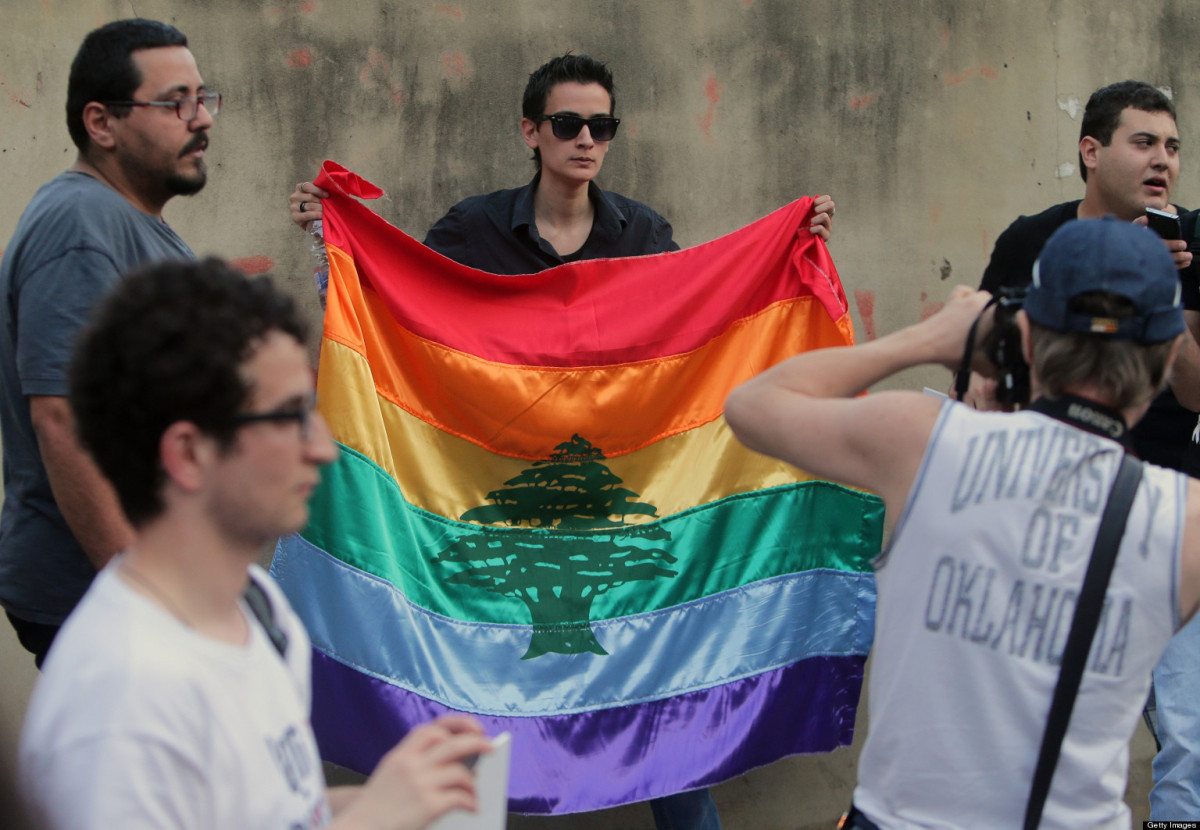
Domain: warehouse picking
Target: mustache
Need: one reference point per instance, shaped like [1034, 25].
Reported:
[200, 142]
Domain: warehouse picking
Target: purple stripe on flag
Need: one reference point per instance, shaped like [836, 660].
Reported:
[607, 757]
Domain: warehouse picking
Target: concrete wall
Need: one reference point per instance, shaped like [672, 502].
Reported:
[932, 122]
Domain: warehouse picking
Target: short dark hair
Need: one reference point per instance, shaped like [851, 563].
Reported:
[582, 69]
[103, 68]
[168, 345]
[1102, 115]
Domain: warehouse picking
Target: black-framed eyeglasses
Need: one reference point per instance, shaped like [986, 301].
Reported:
[302, 415]
[186, 108]
[566, 127]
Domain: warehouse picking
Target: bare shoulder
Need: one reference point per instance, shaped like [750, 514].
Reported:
[897, 424]
[876, 441]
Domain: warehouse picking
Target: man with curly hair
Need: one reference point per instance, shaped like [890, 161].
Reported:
[177, 694]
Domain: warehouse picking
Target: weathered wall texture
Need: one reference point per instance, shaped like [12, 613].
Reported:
[932, 122]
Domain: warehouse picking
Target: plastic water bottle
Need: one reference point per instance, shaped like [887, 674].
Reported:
[321, 270]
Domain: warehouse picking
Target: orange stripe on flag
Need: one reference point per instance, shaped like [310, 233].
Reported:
[523, 412]
[448, 476]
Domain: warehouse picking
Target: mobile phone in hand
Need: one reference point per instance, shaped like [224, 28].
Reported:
[1164, 224]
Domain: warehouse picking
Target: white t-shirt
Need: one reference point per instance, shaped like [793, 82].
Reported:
[976, 596]
[140, 722]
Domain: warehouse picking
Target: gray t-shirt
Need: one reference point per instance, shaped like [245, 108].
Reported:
[74, 240]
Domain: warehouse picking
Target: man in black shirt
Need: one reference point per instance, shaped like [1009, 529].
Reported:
[561, 215]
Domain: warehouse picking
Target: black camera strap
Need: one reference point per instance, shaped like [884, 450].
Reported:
[1083, 630]
[962, 380]
[1087, 415]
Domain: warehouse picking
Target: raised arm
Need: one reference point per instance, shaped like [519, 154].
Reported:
[822, 222]
[806, 410]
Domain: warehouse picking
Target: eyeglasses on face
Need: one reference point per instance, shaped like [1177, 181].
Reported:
[302, 415]
[566, 127]
[186, 108]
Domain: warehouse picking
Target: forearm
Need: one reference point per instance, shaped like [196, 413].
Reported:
[1185, 374]
[86, 498]
[803, 410]
[845, 372]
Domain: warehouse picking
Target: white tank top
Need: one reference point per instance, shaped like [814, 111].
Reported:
[976, 595]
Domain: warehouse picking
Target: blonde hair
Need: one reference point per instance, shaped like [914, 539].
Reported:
[1127, 373]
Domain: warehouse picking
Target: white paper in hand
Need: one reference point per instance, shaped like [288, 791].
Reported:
[491, 792]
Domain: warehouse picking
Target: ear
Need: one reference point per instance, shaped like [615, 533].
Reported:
[1026, 344]
[98, 122]
[529, 132]
[186, 454]
[1089, 151]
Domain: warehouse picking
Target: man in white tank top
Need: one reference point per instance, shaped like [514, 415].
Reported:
[993, 518]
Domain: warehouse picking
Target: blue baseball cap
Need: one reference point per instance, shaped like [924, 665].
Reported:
[1107, 255]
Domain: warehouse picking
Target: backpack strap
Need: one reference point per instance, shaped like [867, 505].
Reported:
[1083, 630]
[962, 378]
[260, 605]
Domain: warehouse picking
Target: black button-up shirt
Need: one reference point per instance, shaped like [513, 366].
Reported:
[496, 232]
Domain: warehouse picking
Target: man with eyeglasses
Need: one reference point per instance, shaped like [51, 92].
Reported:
[139, 114]
[178, 692]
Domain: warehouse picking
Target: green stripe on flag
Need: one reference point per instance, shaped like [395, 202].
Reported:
[486, 574]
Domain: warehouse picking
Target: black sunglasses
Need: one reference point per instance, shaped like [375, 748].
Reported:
[566, 127]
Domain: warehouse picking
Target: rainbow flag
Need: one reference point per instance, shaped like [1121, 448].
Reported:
[540, 517]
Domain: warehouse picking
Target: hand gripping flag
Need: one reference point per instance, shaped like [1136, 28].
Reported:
[540, 517]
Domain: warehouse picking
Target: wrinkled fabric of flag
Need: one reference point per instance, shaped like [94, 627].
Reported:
[540, 517]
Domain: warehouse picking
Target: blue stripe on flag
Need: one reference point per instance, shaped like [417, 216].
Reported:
[366, 622]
